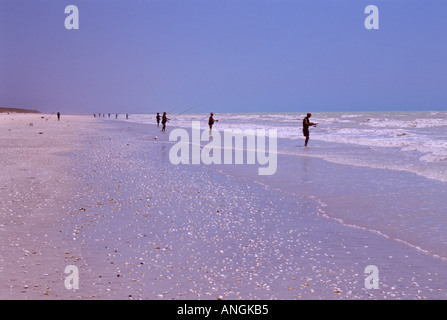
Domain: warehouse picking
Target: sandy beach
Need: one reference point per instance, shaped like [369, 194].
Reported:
[104, 197]
[36, 188]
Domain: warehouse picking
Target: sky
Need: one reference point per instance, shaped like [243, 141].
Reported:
[144, 56]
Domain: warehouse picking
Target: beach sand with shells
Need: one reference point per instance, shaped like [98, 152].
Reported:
[104, 197]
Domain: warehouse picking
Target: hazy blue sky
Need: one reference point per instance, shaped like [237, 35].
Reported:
[224, 55]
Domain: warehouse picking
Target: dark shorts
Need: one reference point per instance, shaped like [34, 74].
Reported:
[306, 132]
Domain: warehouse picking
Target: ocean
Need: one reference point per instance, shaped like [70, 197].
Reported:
[382, 172]
[408, 141]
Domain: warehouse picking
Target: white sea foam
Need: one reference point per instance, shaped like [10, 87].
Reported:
[416, 123]
[408, 139]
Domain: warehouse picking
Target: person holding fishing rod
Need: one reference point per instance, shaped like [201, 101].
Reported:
[211, 121]
[306, 125]
[164, 119]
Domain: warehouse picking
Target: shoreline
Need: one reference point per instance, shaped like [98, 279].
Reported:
[141, 228]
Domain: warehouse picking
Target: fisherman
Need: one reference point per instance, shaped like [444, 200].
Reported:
[306, 125]
[211, 121]
[163, 122]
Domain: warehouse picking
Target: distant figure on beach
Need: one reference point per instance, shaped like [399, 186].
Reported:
[164, 119]
[158, 117]
[109, 115]
[58, 116]
[306, 125]
[127, 116]
[94, 115]
[211, 121]
[116, 115]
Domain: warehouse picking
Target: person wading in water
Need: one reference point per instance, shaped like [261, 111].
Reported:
[211, 121]
[164, 119]
[306, 125]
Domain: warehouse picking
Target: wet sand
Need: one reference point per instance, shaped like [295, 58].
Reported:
[103, 196]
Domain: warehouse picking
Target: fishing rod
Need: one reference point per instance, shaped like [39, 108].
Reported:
[193, 107]
[181, 104]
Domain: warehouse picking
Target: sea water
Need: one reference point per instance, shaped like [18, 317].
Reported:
[383, 172]
[408, 141]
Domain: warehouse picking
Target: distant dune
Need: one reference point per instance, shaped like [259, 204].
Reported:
[17, 110]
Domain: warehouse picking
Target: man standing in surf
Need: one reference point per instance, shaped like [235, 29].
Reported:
[211, 121]
[306, 125]
[164, 119]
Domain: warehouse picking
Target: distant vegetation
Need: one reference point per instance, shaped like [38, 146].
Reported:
[17, 110]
